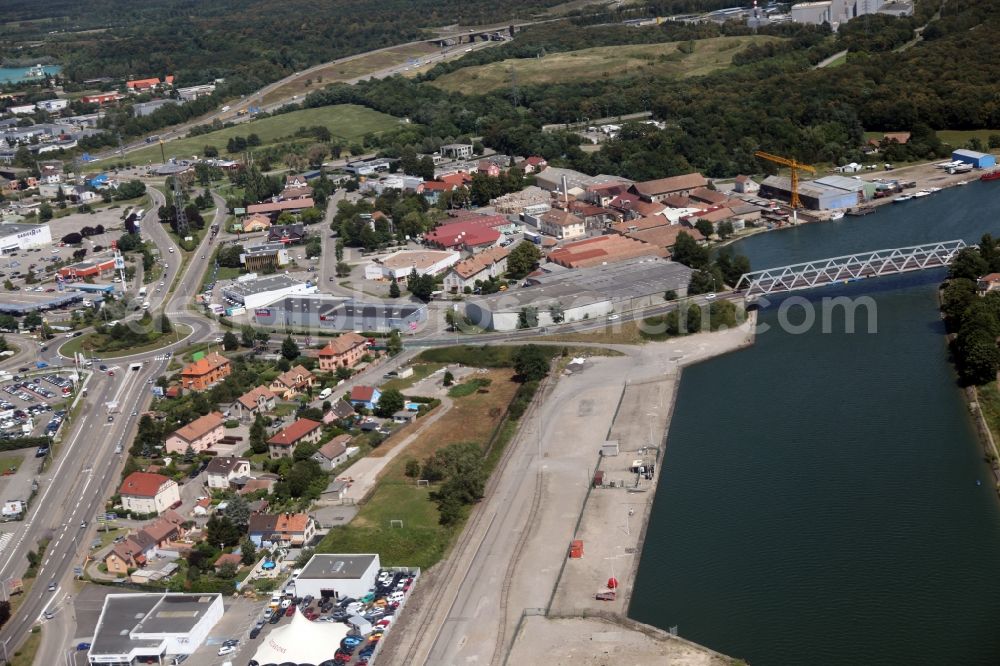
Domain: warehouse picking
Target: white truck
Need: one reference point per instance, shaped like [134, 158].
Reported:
[142, 292]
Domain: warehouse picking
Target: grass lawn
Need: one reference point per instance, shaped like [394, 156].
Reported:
[989, 403]
[85, 343]
[958, 138]
[467, 388]
[348, 122]
[343, 71]
[6, 462]
[26, 655]
[420, 371]
[604, 61]
[421, 541]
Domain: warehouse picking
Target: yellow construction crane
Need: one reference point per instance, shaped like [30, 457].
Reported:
[794, 166]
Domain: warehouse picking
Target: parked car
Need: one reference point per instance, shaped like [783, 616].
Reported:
[226, 649]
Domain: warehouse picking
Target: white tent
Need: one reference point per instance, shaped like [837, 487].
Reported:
[301, 642]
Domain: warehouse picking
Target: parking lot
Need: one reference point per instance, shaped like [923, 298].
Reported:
[31, 405]
[247, 623]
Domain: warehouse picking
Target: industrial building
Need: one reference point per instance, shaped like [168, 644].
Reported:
[150, 627]
[822, 194]
[582, 294]
[975, 158]
[837, 12]
[332, 313]
[15, 236]
[254, 293]
[399, 265]
[338, 576]
[264, 256]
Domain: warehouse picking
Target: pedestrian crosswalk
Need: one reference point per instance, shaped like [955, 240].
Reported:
[5, 538]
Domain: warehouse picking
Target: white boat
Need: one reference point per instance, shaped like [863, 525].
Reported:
[837, 215]
[921, 193]
[902, 197]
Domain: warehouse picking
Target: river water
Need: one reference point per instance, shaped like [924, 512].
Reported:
[819, 501]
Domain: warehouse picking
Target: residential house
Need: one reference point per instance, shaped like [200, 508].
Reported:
[333, 453]
[263, 482]
[562, 224]
[289, 234]
[166, 529]
[489, 168]
[268, 530]
[339, 410]
[255, 222]
[292, 182]
[344, 351]
[199, 435]
[745, 185]
[282, 444]
[457, 151]
[365, 396]
[142, 492]
[491, 263]
[293, 382]
[258, 400]
[532, 164]
[131, 553]
[657, 190]
[222, 470]
[989, 282]
[227, 558]
[275, 208]
[205, 372]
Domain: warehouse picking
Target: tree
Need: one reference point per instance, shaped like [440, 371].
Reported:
[389, 403]
[687, 251]
[343, 269]
[421, 286]
[238, 511]
[448, 379]
[394, 343]
[704, 227]
[221, 532]
[229, 341]
[527, 317]
[289, 348]
[670, 295]
[258, 443]
[163, 324]
[227, 570]
[969, 264]
[189, 454]
[531, 363]
[45, 212]
[557, 313]
[393, 289]
[248, 551]
[210, 151]
[412, 468]
[523, 259]
[725, 229]
[32, 320]
[247, 336]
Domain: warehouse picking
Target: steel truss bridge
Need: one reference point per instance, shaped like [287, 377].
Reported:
[849, 268]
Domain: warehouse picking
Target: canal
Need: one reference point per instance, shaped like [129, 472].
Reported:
[820, 499]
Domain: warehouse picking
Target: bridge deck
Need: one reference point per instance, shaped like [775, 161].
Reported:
[849, 268]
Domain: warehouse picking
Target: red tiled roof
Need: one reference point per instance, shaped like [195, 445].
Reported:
[205, 365]
[142, 484]
[342, 344]
[289, 435]
[363, 393]
[288, 204]
[249, 399]
[479, 262]
[200, 427]
[600, 250]
[469, 231]
[660, 186]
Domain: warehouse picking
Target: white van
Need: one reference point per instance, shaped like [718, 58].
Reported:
[325, 393]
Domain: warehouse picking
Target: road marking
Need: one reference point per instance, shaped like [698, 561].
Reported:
[5, 538]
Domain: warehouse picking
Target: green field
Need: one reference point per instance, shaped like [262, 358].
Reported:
[959, 138]
[346, 122]
[604, 61]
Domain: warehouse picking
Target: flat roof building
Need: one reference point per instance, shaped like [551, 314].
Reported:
[254, 293]
[340, 575]
[136, 626]
[333, 313]
[582, 293]
[399, 265]
[16, 236]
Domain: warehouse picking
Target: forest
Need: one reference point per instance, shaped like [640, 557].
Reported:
[201, 41]
[778, 102]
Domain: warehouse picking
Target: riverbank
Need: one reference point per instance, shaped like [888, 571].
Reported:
[612, 518]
